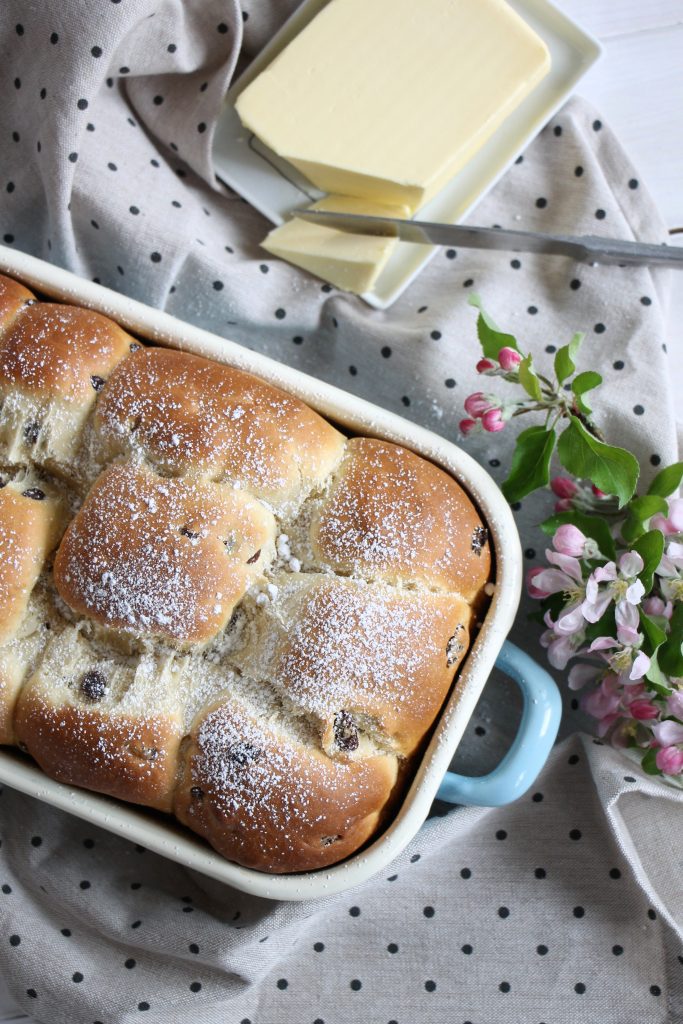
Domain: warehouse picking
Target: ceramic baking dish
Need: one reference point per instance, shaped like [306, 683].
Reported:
[541, 714]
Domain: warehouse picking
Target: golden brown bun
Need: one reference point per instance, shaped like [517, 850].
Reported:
[191, 415]
[394, 516]
[13, 297]
[271, 801]
[162, 557]
[249, 620]
[371, 662]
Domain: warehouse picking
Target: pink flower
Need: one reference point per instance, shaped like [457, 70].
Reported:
[569, 540]
[583, 673]
[477, 404]
[674, 704]
[671, 524]
[622, 586]
[668, 732]
[485, 364]
[563, 505]
[493, 421]
[626, 660]
[561, 648]
[467, 426]
[643, 710]
[602, 702]
[655, 606]
[563, 487]
[670, 760]
[532, 589]
[509, 359]
[670, 571]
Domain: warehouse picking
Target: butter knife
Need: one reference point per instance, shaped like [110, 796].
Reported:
[586, 248]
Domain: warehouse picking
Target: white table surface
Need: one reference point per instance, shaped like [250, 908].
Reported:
[638, 88]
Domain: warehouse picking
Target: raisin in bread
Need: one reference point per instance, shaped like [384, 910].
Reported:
[212, 602]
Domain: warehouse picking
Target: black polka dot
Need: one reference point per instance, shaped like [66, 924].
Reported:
[171, 48]
[449, 382]
[282, 983]
[575, 284]
[479, 730]
[392, 948]
[638, 410]
[77, 977]
[155, 257]
[574, 704]
[14, 940]
[82, 104]
[540, 872]
[574, 759]
[356, 985]
[8, 239]
[129, 963]
[503, 912]
[529, 553]
[578, 912]
[54, 38]
[222, 28]
[6, 888]
[617, 950]
[405, 400]
[619, 364]
[143, 1006]
[646, 300]
[550, 349]
[541, 202]
[597, 125]
[435, 335]
[354, 911]
[501, 834]
[73, 157]
[655, 460]
[110, 82]
[195, 986]
[201, 127]
[280, 313]
[519, 160]
[95, 225]
[218, 286]
[652, 914]
[85, 884]
[466, 949]
[537, 798]
[136, 924]
[31, 993]
[112, 167]
[557, 130]
[541, 950]
[515, 264]
[36, 841]
[428, 911]
[615, 873]
[96, 51]
[465, 873]
[494, 462]
[66, 932]
[468, 283]
[90, 127]
[655, 990]
[579, 988]
[633, 183]
[318, 946]
[504, 986]
[386, 352]
[629, 778]
[158, 100]
[353, 371]
[134, 210]
[600, 214]
[124, 70]
[451, 254]
[599, 328]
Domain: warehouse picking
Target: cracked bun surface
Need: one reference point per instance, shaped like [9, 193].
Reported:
[213, 602]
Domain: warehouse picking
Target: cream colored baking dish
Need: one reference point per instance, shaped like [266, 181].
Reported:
[541, 715]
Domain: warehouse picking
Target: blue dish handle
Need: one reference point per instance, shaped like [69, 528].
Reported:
[532, 744]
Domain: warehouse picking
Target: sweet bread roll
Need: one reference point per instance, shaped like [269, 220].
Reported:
[249, 619]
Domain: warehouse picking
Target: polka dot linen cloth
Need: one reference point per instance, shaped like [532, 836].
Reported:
[562, 908]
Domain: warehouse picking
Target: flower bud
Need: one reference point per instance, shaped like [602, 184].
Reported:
[563, 487]
[509, 359]
[563, 505]
[569, 540]
[493, 421]
[598, 493]
[485, 364]
[670, 760]
[477, 404]
[532, 590]
[467, 426]
[643, 710]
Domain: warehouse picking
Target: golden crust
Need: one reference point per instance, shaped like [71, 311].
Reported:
[13, 298]
[30, 522]
[192, 415]
[162, 557]
[57, 351]
[394, 516]
[272, 802]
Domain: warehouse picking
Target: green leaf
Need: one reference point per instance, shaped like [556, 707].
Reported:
[640, 510]
[667, 481]
[586, 381]
[671, 653]
[529, 380]
[650, 547]
[530, 466]
[654, 636]
[649, 763]
[593, 527]
[613, 470]
[565, 356]
[492, 339]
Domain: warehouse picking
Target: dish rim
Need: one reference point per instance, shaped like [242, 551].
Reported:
[169, 838]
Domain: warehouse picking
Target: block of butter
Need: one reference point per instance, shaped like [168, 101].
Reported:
[350, 262]
[386, 100]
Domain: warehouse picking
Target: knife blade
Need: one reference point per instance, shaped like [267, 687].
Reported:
[586, 248]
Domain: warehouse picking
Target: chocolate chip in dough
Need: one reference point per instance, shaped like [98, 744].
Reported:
[94, 685]
[33, 492]
[243, 753]
[188, 533]
[328, 840]
[31, 431]
[197, 793]
[345, 731]
[97, 382]
[254, 558]
[479, 538]
[455, 646]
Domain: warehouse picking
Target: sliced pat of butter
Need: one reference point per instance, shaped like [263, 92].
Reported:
[387, 99]
[350, 262]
